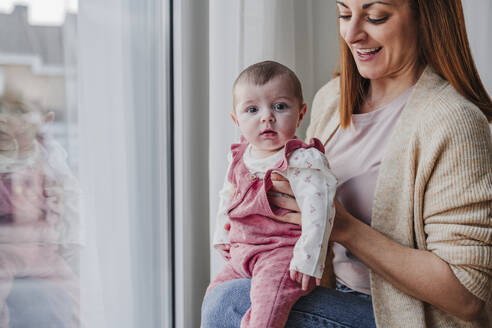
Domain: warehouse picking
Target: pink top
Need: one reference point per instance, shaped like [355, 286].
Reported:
[355, 155]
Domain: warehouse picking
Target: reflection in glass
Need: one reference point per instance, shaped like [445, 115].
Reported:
[39, 194]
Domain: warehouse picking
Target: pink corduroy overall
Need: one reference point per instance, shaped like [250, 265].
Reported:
[261, 248]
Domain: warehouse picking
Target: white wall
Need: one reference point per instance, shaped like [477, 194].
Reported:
[479, 28]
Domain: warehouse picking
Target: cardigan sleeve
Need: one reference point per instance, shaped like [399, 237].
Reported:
[457, 202]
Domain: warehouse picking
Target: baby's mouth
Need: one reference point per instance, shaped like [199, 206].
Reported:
[268, 132]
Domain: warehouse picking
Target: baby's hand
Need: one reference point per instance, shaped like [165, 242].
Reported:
[303, 279]
[224, 250]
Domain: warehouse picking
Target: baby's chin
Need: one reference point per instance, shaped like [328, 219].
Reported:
[262, 152]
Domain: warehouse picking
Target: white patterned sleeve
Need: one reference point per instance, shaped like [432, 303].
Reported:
[221, 236]
[314, 187]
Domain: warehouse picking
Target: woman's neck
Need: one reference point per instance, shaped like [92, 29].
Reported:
[383, 91]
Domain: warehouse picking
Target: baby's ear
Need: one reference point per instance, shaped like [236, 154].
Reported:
[50, 117]
[234, 118]
[302, 113]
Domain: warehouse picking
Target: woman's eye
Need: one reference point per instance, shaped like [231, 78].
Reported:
[279, 106]
[344, 17]
[251, 109]
[377, 20]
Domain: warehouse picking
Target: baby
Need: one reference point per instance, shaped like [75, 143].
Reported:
[283, 261]
[39, 231]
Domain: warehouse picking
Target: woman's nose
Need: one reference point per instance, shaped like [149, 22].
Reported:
[354, 31]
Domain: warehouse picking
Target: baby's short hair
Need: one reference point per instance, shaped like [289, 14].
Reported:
[263, 72]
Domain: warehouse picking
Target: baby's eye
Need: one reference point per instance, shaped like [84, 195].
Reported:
[251, 109]
[279, 106]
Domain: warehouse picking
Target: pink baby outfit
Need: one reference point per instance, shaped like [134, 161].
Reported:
[34, 197]
[261, 248]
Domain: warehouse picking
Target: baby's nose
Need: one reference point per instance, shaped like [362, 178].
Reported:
[268, 117]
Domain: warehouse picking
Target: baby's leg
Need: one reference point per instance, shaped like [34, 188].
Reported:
[273, 293]
[36, 261]
[9, 266]
[56, 271]
[227, 273]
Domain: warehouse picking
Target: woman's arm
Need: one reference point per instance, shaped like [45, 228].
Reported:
[419, 273]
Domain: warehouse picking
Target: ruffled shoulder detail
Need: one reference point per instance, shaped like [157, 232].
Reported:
[294, 144]
[238, 148]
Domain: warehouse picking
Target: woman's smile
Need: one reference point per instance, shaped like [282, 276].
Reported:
[367, 54]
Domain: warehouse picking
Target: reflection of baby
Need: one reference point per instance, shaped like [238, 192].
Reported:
[268, 107]
[38, 204]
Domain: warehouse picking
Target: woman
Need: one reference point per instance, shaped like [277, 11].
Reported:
[408, 111]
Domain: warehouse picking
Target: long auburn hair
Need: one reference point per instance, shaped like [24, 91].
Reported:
[443, 45]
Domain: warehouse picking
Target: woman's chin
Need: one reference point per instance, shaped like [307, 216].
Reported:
[368, 73]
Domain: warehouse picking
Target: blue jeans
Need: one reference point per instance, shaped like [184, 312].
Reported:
[225, 305]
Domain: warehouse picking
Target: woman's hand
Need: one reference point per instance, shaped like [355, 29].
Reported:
[281, 195]
[419, 273]
[341, 223]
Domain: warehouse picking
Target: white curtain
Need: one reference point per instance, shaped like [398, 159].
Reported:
[125, 277]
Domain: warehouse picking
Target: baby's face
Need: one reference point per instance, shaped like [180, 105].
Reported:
[267, 115]
[18, 129]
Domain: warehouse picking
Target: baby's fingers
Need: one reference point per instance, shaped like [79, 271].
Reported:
[305, 281]
[299, 277]
[293, 275]
[318, 282]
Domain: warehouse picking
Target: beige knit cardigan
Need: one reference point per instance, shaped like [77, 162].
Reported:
[434, 192]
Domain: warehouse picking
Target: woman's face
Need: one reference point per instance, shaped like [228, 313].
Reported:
[382, 36]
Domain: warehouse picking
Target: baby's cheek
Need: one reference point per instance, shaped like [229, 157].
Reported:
[289, 131]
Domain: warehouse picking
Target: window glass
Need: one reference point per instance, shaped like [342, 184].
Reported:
[83, 208]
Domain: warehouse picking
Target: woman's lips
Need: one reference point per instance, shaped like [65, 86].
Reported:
[367, 54]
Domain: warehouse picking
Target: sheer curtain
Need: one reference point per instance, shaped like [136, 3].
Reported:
[124, 158]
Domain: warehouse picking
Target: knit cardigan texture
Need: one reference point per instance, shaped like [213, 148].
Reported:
[434, 192]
